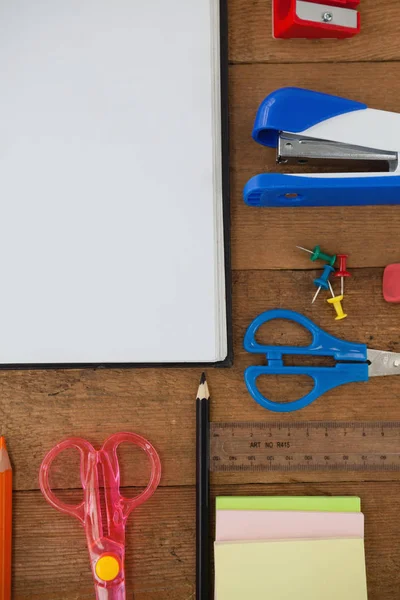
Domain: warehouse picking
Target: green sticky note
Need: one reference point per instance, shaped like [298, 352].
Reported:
[302, 503]
[291, 570]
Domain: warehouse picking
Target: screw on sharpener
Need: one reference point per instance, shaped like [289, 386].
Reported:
[327, 17]
[342, 272]
[336, 302]
[317, 254]
[323, 281]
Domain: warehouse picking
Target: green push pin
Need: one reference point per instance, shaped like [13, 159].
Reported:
[318, 255]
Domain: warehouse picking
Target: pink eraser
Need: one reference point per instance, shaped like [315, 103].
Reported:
[391, 283]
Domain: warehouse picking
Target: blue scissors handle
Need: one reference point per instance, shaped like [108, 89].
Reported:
[325, 379]
[323, 344]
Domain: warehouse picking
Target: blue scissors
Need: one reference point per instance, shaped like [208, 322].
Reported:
[358, 363]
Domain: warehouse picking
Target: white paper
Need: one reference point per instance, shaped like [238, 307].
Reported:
[108, 235]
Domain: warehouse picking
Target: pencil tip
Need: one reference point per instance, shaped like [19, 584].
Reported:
[2, 442]
[202, 392]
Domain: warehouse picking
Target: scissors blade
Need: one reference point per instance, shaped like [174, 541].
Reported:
[383, 363]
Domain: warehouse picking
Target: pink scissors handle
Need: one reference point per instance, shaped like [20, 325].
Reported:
[105, 533]
[86, 450]
[110, 448]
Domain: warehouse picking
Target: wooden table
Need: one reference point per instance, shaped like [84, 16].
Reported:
[37, 409]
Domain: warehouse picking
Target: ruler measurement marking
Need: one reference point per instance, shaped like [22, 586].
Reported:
[289, 468]
[368, 446]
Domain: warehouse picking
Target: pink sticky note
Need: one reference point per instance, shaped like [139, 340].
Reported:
[246, 525]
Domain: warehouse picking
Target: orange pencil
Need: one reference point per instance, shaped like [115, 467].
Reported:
[5, 521]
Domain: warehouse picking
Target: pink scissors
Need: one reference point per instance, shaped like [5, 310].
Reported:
[106, 548]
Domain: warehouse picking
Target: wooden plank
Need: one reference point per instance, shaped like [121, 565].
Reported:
[251, 38]
[265, 238]
[39, 409]
[51, 560]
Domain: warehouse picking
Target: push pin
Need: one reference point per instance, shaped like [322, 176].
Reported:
[336, 301]
[318, 255]
[342, 272]
[323, 281]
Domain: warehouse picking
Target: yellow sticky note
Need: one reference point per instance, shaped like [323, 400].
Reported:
[291, 570]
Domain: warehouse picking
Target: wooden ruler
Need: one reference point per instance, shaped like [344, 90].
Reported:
[308, 446]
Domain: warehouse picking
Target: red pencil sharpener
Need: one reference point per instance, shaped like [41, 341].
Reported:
[313, 20]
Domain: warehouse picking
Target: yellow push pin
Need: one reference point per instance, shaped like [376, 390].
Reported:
[336, 301]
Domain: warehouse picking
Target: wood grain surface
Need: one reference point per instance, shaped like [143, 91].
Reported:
[40, 408]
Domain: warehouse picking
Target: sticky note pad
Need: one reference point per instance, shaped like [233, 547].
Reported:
[303, 503]
[236, 525]
[291, 570]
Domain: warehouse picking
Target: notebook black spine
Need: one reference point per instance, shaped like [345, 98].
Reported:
[226, 176]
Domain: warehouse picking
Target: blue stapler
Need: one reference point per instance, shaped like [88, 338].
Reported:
[309, 128]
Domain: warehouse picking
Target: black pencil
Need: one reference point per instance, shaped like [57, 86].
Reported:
[202, 492]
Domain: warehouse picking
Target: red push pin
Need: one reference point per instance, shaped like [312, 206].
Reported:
[342, 272]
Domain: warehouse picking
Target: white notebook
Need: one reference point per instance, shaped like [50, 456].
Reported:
[112, 186]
